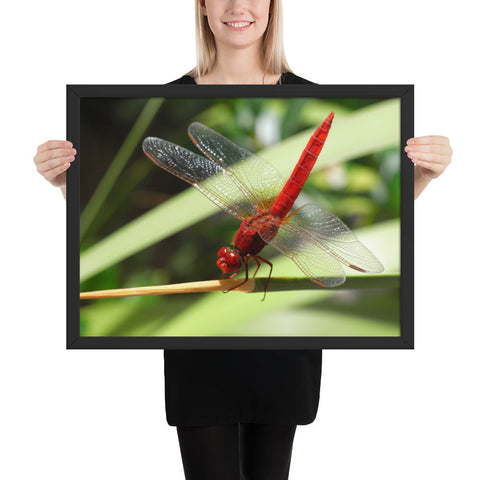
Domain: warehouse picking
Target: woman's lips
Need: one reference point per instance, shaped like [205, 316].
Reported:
[237, 25]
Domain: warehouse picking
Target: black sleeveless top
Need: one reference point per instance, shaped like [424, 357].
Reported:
[212, 387]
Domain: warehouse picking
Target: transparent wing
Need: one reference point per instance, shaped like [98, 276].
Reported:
[207, 176]
[312, 233]
[312, 260]
[259, 181]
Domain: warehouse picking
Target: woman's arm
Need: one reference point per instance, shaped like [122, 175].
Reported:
[431, 155]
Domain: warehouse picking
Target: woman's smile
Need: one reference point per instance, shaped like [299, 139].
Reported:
[238, 25]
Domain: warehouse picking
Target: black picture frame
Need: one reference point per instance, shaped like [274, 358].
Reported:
[77, 93]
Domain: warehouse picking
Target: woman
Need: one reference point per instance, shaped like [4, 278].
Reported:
[236, 412]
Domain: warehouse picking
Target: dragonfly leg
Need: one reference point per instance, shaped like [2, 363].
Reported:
[269, 275]
[248, 257]
[257, 259]
[231, 276]
[221, 278]
[258, 266]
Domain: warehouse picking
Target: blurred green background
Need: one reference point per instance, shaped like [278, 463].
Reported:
[141, 226]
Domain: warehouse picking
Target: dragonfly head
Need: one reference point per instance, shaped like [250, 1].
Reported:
[229, 261]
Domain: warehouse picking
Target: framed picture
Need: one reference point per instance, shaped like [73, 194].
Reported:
[240, 217]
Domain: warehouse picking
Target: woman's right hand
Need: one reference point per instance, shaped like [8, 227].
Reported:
[53, 159]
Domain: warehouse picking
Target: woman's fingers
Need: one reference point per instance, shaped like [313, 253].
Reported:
[443, 149]
[53, 144]
[46, 155]
[52, 174]
[429, 140]
[432, 153]
[429, 157]
[53, 158]
[48, 165]
[57, 153]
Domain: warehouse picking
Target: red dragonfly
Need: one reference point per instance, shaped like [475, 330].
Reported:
[252, 191]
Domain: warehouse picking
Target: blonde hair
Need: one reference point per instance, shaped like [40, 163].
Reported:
[272, 46]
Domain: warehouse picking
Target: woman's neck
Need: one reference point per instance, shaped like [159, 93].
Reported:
[238, 66]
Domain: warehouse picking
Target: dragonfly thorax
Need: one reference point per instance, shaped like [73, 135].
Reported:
[229, 260]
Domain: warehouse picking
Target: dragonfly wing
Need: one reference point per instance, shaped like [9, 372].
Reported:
[332, 236]
[256, 178]
[299, 246]
[207, 176]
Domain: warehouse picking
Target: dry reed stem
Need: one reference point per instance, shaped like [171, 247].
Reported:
[191, 287]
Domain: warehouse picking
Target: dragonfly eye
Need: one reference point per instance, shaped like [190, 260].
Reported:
[229, 261]
[223, 251]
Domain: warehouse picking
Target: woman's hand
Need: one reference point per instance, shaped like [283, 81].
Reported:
[431, 155]
[53, 159]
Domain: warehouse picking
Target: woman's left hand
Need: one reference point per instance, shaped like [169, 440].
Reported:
[432, 154]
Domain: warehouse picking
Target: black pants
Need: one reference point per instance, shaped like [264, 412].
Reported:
[241, 451]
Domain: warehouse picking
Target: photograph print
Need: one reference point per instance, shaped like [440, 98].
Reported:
[240, 217]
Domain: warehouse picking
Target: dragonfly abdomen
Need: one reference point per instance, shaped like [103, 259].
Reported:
[294, 185]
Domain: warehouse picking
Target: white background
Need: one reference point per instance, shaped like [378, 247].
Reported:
[100, 414]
